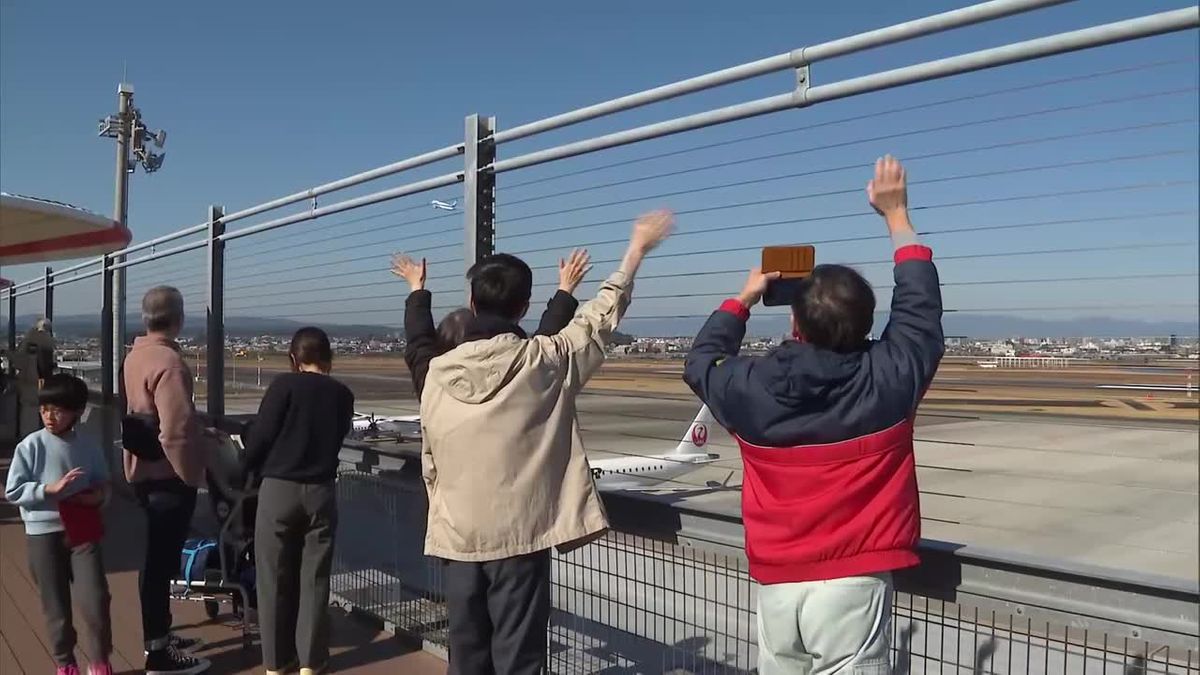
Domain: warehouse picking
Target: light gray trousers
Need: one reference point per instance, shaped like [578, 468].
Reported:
[839, 626]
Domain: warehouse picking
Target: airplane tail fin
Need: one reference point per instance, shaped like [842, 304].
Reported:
[695, 440]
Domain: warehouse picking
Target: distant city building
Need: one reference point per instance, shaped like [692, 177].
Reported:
[1002, 349]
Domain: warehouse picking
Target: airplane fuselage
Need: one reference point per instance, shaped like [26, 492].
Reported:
[640, 472]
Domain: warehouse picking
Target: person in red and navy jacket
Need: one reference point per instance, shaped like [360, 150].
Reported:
[825, 427]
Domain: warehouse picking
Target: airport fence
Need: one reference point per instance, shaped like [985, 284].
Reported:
[1047, 197]
[668, 591]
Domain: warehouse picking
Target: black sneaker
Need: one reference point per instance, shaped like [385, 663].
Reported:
[171, 661]
[181, 644]
[184, 644]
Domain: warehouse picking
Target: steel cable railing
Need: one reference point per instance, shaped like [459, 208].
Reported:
[1005, 91]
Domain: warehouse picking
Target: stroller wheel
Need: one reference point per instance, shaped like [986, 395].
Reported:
[212, 609]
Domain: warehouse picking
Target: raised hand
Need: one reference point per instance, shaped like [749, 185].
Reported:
[57, 487]
[405, 267]
[652, 229]
[572, 270]
[888, 192]
[756, 286]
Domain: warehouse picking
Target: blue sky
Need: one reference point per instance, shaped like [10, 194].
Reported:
[260, 102]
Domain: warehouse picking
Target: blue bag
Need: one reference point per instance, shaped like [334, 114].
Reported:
[194, 559]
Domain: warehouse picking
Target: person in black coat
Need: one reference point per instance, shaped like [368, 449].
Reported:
[424, 341]
[293, 447]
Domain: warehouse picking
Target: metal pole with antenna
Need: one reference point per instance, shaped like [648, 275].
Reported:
[121, 215]
[130, 132]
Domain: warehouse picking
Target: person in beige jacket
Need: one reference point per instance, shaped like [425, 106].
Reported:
[503, 460]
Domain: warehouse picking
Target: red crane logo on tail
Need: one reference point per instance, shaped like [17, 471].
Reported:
[699, 435]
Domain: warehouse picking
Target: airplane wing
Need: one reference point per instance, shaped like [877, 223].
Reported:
[651, 488]
[674, 490]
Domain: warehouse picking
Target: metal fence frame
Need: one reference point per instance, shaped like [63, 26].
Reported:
[1125, 605]
[622, 602]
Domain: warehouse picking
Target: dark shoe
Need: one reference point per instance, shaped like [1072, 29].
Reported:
[184, 644]
[171, 661]
[181, 644]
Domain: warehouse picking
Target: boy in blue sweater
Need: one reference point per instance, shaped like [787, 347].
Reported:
[58, 473]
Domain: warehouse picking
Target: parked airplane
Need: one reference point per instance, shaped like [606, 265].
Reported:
[634, 472]
[370, 426]
[642, 472]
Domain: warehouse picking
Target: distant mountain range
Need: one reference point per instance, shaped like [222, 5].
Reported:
[964, 325]
[235, 326]
[967, 325]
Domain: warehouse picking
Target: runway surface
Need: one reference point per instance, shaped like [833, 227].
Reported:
[1107, 490]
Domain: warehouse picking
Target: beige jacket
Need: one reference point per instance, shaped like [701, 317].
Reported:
[502, 457]
[158, 382]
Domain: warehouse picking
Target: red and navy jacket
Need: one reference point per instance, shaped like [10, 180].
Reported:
[830, 487]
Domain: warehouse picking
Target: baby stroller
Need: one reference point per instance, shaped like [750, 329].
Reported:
[216, 570]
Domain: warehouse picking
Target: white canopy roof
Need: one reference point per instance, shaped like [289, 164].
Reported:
[38, 230]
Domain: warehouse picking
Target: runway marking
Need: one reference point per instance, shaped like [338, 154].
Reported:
[944, 468]
[943, 494]
[1137, 405]
[1148, 387]
[942, 520]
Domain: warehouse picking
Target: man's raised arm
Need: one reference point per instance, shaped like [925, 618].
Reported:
[580, 346]
[561, 308]
[713, 369]
[420, 333]
[913, 338]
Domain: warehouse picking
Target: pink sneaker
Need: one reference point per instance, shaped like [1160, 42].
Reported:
[101, 668]
[68, 670]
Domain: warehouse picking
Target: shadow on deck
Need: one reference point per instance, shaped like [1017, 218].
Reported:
[358, 646]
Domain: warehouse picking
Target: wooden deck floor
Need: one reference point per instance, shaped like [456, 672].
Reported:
[358, 647]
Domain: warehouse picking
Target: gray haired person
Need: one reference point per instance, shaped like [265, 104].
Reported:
[158, 383]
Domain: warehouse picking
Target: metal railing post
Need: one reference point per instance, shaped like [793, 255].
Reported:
[48, 309]
[479, 190]
[109, 369]
[12, 331]
[215, 333]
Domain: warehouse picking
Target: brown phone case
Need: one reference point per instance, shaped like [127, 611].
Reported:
[793, 262]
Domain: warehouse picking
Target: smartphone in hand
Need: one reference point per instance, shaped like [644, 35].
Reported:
[794, 263]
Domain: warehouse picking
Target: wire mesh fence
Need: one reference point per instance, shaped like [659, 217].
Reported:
[931, 635]
[641, 605]
[637, 604]
[377, 566]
